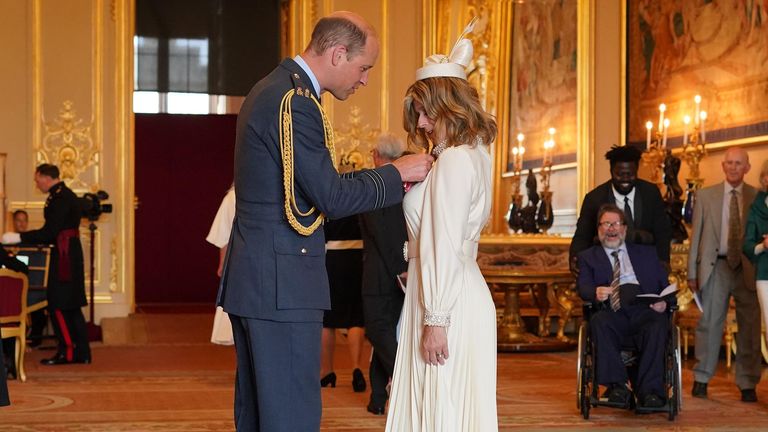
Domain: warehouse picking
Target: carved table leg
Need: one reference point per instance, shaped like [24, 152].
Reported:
[511, 328]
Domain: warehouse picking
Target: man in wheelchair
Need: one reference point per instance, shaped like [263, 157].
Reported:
[612, 275]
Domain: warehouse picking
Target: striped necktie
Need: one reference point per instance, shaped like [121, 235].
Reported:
[614, 298]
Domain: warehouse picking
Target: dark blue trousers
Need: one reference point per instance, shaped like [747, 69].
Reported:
[277, 387]
[638, 326]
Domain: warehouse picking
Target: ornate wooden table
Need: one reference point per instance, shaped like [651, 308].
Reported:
[546, 288]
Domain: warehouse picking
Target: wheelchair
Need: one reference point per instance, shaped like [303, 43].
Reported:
[587, 396]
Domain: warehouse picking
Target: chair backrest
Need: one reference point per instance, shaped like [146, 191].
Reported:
[13, 296]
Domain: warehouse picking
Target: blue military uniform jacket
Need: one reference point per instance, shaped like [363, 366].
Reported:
[272, 272]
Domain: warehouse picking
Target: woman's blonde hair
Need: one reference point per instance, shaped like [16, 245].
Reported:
[455, 106]
[763, 174]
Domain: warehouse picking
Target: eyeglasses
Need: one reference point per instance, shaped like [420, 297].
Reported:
[614, 224]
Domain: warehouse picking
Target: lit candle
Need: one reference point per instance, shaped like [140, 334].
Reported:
[666, 127]
[662, 108]
[514, 159]
[648, 127]
[520, 138]
[686, 121]
[697, 100]
[703, 116]
[549, 144]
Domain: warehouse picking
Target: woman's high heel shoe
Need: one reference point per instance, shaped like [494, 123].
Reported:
[329, 379]
[358, 381]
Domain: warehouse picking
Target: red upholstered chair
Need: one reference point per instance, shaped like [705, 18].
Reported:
[13, 313]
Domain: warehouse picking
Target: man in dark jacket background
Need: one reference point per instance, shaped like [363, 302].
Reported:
[66, 278]
[647, 221]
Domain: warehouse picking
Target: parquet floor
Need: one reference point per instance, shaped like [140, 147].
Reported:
[165, 376]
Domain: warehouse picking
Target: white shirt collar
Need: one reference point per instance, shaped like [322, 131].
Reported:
[312, 77]
[620, 198]
[622, 249]
[729, 188]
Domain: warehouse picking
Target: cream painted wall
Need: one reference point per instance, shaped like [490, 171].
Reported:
[15, 86]
[607, 118]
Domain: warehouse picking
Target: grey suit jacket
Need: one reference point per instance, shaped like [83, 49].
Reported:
[705, 234]
[271, 271]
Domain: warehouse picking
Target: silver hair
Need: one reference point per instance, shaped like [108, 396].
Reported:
[389, 146]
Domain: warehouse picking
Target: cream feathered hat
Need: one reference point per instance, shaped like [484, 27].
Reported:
[453, 65]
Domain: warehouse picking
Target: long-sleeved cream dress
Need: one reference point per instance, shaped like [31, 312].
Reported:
[445, 215]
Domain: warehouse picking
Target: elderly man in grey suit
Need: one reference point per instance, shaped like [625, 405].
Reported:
[274, 285]
[717, 271]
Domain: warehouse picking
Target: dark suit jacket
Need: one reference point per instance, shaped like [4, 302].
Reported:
[271, 271]
[62, 212]
[596, 269]
[649, 216]
[383, 233]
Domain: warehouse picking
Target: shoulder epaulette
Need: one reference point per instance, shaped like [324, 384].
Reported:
[298, 85]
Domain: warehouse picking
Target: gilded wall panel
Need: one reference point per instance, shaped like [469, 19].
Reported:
[73, 109]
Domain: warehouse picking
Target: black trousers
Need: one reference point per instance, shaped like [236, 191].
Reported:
[277, 387]
[381, 315]
[638, 326]
[4, 398]
[71, 333]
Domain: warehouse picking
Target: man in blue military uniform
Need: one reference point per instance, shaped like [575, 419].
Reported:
[274, 285]
[66, 278]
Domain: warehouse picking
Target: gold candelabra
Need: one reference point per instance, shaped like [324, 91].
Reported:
[694, 150]
[514, 221]
[545, 215]
[653, 157]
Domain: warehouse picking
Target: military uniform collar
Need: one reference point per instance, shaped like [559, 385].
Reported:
[56, 188]
[305, 67]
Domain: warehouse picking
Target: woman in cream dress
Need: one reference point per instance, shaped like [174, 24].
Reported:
[445, 372]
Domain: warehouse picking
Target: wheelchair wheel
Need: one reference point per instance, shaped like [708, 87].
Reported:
[584, 374]
[580, 361]
[674, 372]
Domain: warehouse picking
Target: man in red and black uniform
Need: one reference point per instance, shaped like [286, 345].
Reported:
[66, 279]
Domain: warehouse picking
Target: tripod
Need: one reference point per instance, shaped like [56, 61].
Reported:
[94, 330]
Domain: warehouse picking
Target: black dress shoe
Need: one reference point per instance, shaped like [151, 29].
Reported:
[358, 381]
[699, 390]
[328, 379]
[652, 401]
[59, 359]
[748, 395]
[618, 394]
[375, 410]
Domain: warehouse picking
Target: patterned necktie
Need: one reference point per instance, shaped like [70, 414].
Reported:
[614, 298]
[734, 232]
[628, 213]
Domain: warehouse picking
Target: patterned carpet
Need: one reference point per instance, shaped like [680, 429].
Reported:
[163, 375]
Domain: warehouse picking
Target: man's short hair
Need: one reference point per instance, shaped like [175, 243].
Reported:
[49, 170]
[611, 208]
[389, 146]
[627, 153]
[18, 212]
[332, 31]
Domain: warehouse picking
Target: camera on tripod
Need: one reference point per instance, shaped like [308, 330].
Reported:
[92, 206]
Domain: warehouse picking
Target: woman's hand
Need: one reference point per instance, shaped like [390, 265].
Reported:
[434, 345]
